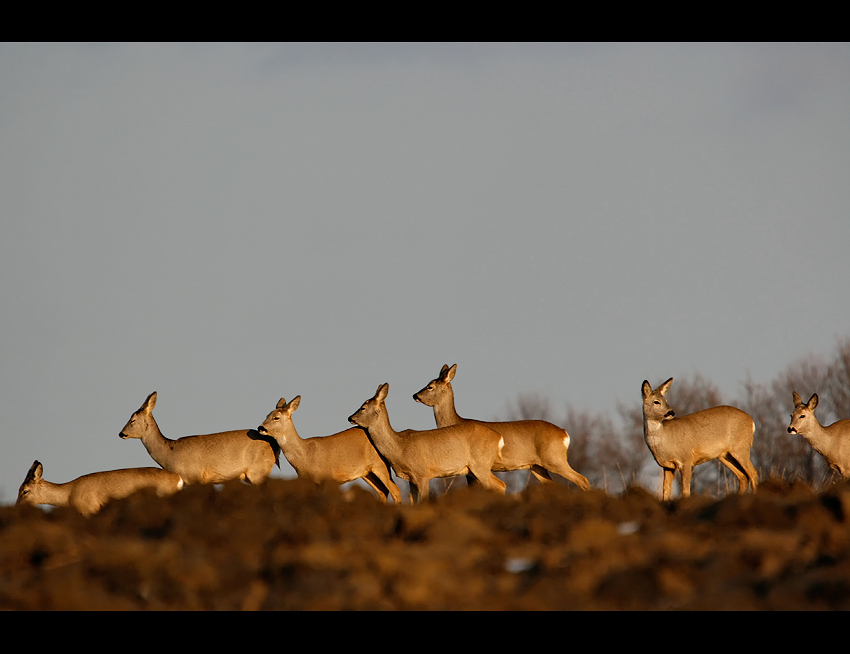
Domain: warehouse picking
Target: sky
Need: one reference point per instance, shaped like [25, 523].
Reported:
[229, 224]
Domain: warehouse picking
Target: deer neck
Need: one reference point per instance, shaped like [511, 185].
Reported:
[819, 437]
[54, 494]
[444, 411]
[653, 433]
[158, 446]
[384, 437]
[292, 445]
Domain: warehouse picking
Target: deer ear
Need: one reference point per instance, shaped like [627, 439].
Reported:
[665, 387]
[293, 404]
[450, 373]
[35, 471]
[381, 394]
[813, 402]
[281, 403]
[645, 389]
[797, 399]
[149, 403]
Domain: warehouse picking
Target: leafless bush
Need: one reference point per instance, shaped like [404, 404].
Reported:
[789, 456]
[613, 457]
[599, 452]
[837, 390]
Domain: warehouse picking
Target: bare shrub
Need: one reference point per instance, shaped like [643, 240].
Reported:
[837, 387]
[614, 457]
[789, 456]
[597, 450]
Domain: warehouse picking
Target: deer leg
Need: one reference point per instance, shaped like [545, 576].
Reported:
[489, 480]
[750, 469]
[372, 479]
[413, 492]
[754, 476]
[497, 484]
[578, 479]
[686, 480]
[386, 479]
[744, 463]
[727, 460]
[566, 471]
[423, 489]
[667, 481]
[541, 474]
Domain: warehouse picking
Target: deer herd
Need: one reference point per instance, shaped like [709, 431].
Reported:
[458, 446]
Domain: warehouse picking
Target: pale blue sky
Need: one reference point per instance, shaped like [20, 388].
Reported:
[229, 224]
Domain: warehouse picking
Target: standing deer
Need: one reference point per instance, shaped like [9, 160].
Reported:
[420, 456]
[341, 457]
[88, 494]
[832, 442]
[209, 458]
[723, 432]
[534, 445]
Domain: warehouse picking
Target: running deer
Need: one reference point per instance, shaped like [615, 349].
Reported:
[88, 494]
[206, 459]
[534, 445]
[832, 442]
[723, 433]
[420, 456]
[341, 457]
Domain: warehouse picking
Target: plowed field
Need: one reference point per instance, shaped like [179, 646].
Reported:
[292, 545]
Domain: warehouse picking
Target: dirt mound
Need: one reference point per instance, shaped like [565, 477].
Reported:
[292, 545]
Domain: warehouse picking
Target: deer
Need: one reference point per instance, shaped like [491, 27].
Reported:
[420, 456]
[341, 457]
[832, 442]
[88, 494]
[722, 432]
[209, 458]
[534, 445]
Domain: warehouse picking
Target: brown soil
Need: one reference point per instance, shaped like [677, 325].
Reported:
[292, 545]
